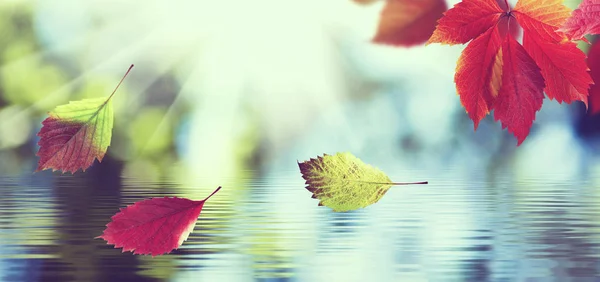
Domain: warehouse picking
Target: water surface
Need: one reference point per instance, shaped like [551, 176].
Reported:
[267, 228]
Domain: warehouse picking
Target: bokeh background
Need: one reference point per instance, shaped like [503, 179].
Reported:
[234, 93]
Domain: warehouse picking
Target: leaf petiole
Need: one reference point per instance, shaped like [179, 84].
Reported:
[124, 76]
[409, 183]
[396, 183]
[216, 190]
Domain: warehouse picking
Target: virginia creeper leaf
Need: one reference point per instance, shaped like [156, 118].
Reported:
[466, 21]
[541, 18]
[594, 65]
[584, 20]
[505, 79]
[563, 68]
[154, 226]
[343, 182]
[521, 93]
[476, 78]
[76, 134]
[408, 22]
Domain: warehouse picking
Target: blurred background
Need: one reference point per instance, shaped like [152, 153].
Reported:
[235, 93]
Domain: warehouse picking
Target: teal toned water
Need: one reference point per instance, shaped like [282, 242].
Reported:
[269, 229]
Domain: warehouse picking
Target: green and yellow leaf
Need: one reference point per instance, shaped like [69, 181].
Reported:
[343, 182]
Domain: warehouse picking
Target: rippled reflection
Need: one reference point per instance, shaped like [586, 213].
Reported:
[268, 228]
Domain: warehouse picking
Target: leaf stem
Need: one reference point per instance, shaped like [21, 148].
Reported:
[114, 91]
[395, 183]
[217, 190]
[409, 183]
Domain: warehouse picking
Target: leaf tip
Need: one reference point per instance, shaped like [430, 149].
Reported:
[475, 125]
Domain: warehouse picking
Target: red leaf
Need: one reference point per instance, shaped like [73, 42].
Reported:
[155, 226]
[541, 18]
[521, 94]
[466, 21]
[509, 80]
[584, 20]
[562, 63]
[563, 67]
[408, 22]
[477, 80]
[594, 64]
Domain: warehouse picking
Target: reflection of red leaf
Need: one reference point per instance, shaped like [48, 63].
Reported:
[512, 81]
[521, 93]
[154, 226]
[594, 64]
[585, 20]
[408, 22]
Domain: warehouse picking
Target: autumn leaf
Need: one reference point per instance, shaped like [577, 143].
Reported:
[562, 63]
[408, 22]
[343, 182]
[475, 74]
[521, 93]
[154, 226]
[584, 20]
[593, 61]
[467, 20]
[563, 68]
[541, 18]
[76, 134]
[495, 72]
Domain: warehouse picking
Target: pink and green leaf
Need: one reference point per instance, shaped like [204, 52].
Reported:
[76, 134]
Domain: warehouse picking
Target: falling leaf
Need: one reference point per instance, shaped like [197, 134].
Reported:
[584, 20]
[594, 65]
[76, 134]
[343, 182]
[154, 226]
[495, 72]
[408, 22]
